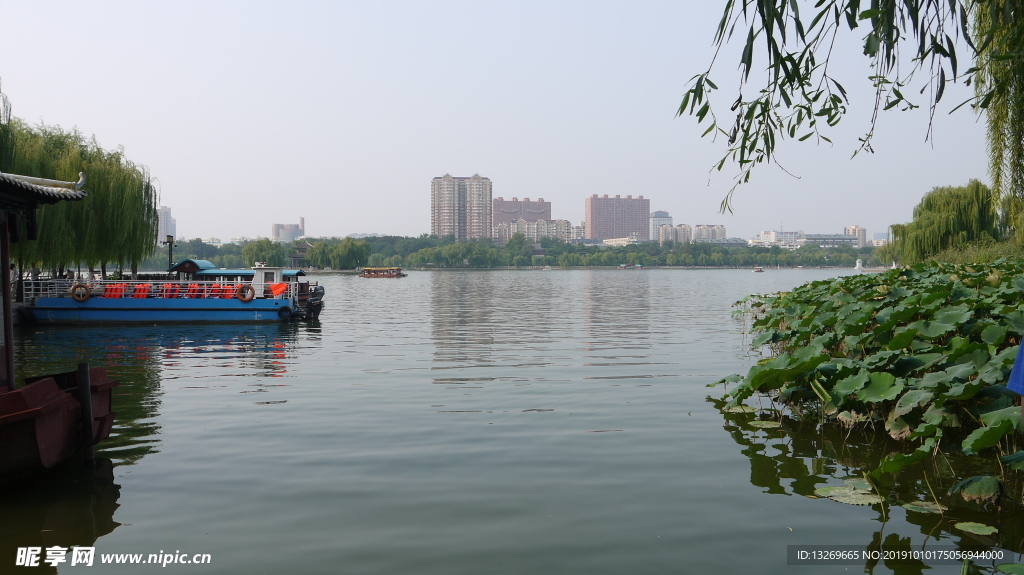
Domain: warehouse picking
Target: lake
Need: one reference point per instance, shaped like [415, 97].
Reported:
[460, 422]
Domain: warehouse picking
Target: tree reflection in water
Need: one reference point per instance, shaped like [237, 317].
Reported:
[800, 457]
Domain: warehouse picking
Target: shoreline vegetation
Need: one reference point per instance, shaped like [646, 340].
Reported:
[917, 357]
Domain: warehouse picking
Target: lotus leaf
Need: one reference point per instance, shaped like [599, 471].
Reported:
[978, 488]
[925, 507]
[858, 498]
[894, 463]
[898, 428]
[764, 424]
[1015, 461]
[857, 483]
[883, 386]
[910, 400]
[834, 491]
[932, 329]
[740, 409]
[976, 528]
[1012, 568]
[852, 384]
[954, 315]
[994, 334]
[986, 436]
[902, 339]
[1015, 320]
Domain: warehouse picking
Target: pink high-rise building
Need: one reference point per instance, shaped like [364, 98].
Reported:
[617, 217]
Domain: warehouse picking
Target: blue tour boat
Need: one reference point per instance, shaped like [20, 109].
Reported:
[193, 291]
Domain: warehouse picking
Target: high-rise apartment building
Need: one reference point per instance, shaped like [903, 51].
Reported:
[683, 234]
[460, 207]
[658, 219]
[166, 225]
[533, 231]
[507, 211]
[618, 217]
[861, 233]
[706, 232]
[288, 233]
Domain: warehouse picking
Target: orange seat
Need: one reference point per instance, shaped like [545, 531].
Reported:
[141, 291]
[278, 289]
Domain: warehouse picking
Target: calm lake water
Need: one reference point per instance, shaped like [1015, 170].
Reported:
[458, 423]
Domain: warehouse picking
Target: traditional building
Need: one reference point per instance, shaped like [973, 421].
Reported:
[460, 207]
[618, 217]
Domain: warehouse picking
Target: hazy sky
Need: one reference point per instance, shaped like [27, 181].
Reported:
[251, 113]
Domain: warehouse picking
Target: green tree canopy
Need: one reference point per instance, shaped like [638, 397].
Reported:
[947, 217]
[271, 253]
[116, 223]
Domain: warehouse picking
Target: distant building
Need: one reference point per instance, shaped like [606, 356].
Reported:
[166, 225]
[708, 232]
[657, 220]
[631, 239]
[880, 243]
[506, 211]
[666, 233]
[724, 242]
[827, 240]
[684, 234]
[288, 233]
[460, 207]
[578, 232]
[212, 241]
[769, 238]
[618, 217]
[859, 232]
[533, 231]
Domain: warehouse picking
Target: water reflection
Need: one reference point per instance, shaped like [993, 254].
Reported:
[70, 505]
[145, 358]
[800, 457]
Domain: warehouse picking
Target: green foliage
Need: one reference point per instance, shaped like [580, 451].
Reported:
[922, 351]
[344, 254]
[116, 223]
[799, 99]
[946, 219]
[271, 253]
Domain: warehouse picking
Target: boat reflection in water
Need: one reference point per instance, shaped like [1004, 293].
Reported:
[799, 457]
[70, 505]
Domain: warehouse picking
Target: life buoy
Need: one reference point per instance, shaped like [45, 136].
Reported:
[79, 292]
[284, 312]
[245, 293]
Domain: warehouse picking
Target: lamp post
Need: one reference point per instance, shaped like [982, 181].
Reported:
[169, 242]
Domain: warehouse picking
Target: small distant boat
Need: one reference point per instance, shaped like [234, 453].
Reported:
[758, 270]
[547, 268]
[383, 273]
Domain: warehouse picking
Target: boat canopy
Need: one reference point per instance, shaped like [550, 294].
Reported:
[207, 269]
[241, 273]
